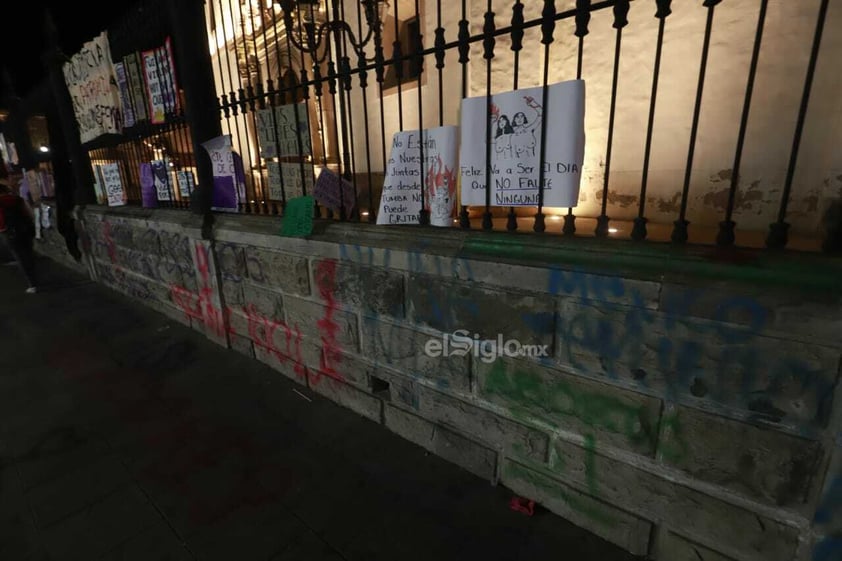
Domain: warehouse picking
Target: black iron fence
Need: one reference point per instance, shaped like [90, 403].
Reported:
[348, 63]
[147, 26]
[687, 110]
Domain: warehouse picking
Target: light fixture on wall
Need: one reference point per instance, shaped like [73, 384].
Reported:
[308, 37]
[44, 148]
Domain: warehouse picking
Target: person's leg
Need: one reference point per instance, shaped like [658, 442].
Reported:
[26, 258]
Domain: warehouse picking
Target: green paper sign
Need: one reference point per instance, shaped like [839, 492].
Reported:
[298, 218]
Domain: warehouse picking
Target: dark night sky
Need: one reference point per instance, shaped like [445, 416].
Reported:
[22, 37]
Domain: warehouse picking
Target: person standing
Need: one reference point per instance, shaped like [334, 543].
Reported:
[17, 226]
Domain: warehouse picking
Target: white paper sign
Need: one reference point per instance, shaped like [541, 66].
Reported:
[186, 183]
[288, 176]
[400, 202]
[125, 94]
[99, 188]
[229, 187]
[516, 123]
[293, 126]
[265, 119]
[154, 89]
[92, 85]
[113, 184]
[160, 174]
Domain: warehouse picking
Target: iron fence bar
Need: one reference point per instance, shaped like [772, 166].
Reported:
[331, 88]
[273, 102]
[256, 186]
[779, 231]
[488, 55]
[583, 18]
[424, 214]
[348, 120]
[397, 61]
[517, 46]
[639, 229]
[621, 10]
[549, 13]
[318, 80]
[679, 232]
[305, 96]
[464, 47]
[726, 235]
[243, 205]
[364, 87]
[440, 56]
[379, 71]
[261, 102]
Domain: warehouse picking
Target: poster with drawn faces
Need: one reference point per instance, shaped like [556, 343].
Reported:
[161, 178]
[516, 121]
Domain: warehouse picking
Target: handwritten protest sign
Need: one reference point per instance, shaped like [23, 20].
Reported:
[516, 120]
[160, 174]
[113, 184]
[227, 179]
[298, 217]
[171, 73]
[293, 128]
[400, 202]
[283, 131]
[148, 192]
[333, 191]
[136, 86]
[265, 120]
[288, 176]
[154, 89]
[186, 183]
[92, 85]
[125, 94]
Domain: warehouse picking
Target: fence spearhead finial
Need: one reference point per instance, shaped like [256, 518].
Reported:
[663, 8]
[621, 12]
[583, 17]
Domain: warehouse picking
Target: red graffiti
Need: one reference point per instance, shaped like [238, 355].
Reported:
[327, 325]
[522, 505]
[201, 307]
[261, 330]
[109, 241]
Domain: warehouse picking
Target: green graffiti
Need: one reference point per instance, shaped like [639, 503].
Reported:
[554, 489]
[527, 394]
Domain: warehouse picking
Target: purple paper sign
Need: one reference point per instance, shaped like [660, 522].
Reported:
[147, 186]
[226, 175]
[224, 194]
[333, 191]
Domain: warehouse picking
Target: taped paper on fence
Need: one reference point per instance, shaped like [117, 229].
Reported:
[92, 84]
[298, 217]
[285, 179]
[228, 174]
[400, 202]
[334, 192]
[186, 183]
[113, 184]
[516, 121]
[162, 180]
[148, 193]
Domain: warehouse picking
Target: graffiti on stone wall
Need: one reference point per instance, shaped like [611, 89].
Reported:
[828, 519]
[328, 327]
[725, 363]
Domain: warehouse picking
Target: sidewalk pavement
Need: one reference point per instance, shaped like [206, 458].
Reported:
[126, 436]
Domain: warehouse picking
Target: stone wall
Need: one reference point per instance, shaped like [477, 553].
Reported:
[682, 412]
